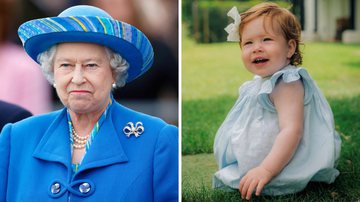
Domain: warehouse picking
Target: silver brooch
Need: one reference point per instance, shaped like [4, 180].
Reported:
[136, 130]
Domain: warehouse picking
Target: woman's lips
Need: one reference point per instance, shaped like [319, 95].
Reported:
[79, 91]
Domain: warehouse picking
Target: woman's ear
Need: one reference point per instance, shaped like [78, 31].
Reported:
[292, 48]
[113, 74]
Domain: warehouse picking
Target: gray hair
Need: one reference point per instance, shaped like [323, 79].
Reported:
[118, 65]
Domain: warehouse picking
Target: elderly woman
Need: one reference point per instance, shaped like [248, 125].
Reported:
[94, 149]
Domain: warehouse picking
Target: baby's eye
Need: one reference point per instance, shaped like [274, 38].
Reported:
[247, 43]
[267, 39]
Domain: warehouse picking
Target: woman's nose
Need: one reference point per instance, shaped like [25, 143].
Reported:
[78, 75]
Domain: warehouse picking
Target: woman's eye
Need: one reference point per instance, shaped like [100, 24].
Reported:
[91, 65]
[65, 65]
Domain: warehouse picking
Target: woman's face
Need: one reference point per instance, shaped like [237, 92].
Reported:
[264, 50]
[83, 77]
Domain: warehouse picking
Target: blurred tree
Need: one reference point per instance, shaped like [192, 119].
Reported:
[206, 19]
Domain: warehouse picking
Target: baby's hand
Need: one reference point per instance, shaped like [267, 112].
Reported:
[255, 179]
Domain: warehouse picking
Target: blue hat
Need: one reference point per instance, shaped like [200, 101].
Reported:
[93, 25]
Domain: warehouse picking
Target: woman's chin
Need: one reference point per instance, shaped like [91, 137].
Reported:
[80, 108]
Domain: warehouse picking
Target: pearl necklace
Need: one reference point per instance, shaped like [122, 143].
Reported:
[79, 142]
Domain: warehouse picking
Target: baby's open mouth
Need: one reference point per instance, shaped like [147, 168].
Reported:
[260, 60]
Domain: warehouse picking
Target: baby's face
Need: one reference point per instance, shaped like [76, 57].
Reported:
[264, 50]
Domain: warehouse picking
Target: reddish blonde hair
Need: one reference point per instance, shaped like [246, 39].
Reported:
[281, 19]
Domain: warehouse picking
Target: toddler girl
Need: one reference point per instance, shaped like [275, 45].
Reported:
[280, 133]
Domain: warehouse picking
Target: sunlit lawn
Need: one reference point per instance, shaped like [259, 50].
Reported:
[212, 70]
[211, 76]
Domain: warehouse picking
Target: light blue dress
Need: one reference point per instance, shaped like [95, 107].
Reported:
[249, 130]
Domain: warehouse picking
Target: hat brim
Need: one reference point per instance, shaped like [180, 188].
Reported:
[41, 34]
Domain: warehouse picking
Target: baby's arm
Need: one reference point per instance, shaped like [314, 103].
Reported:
[288, 99]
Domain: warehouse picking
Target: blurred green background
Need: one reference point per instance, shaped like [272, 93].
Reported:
[205, 19]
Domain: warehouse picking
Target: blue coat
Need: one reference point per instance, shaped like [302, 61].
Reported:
[35, 160]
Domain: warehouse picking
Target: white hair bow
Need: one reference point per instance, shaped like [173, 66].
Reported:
[233, 28]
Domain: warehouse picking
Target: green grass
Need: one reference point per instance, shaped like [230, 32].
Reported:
[213, 70]
[197, 170]
[211, 76]
[202, 118]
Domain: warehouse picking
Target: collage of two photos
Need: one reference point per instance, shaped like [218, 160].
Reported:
[168, 100]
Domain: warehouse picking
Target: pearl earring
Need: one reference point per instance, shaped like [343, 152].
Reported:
[114, 85]
[54, 85]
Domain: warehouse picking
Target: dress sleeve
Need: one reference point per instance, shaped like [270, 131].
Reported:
[287, 75]
[166, 165]
[4, 160]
